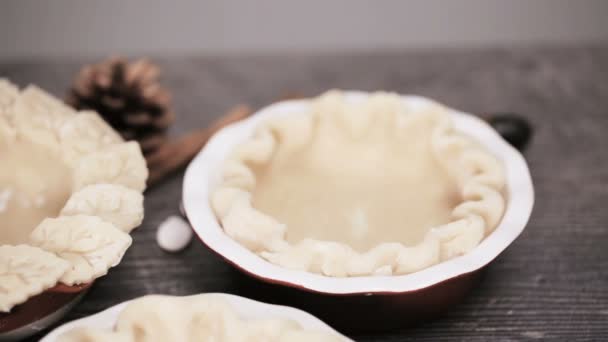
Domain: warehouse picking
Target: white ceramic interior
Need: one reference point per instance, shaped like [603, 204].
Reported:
[203, 175]
[245, 308]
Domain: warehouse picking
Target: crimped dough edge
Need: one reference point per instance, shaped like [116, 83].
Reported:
[194, 318]
[478, 174]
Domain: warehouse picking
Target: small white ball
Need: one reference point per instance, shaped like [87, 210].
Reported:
[173, 234]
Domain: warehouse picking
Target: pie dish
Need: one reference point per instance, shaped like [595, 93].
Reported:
[396, 300]
[207, 316]
[70, 193]
[375, 187]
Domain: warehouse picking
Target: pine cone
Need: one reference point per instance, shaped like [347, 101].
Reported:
[129, 97]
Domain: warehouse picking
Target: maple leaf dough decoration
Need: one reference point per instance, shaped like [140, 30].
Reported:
[113, 203]
[38, 116]
[26, 271]
[121, 164]
[85, 133]
[90, 244]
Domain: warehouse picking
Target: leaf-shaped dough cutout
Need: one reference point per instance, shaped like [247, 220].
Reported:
[121, 164]
[26, 271]
[90, 244]
[85, 133]
[8, 95]
[119, 205]
[7, 132]
[38, 115]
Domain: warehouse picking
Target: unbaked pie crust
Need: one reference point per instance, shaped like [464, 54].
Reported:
[372, 187]
[70, 193]
[193, 318]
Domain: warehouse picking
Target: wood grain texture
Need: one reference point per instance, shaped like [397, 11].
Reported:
[551, 284]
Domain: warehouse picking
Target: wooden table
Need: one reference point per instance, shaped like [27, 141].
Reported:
[551, 283]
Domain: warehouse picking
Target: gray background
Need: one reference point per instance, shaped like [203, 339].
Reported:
[76, 28]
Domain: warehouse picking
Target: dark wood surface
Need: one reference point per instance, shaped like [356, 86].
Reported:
[552, 283]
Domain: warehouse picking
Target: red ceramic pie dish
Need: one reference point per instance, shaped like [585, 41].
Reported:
[365, 302]
[40, 311]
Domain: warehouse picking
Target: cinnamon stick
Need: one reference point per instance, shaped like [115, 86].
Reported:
[175, 154]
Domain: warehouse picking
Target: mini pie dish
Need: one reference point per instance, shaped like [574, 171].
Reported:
[70, 193]
[222, 316]
[416, 287]
[376, 187]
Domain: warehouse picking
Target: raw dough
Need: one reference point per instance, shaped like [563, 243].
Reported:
[34, 183]
[26, 271]
[382, 189]
[370, 187]
[114, 203]
[194, 318]
[48, 233]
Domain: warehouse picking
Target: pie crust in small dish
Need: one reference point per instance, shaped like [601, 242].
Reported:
[70, 193]
[431, 287]
[213, 316]
[374, 187]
